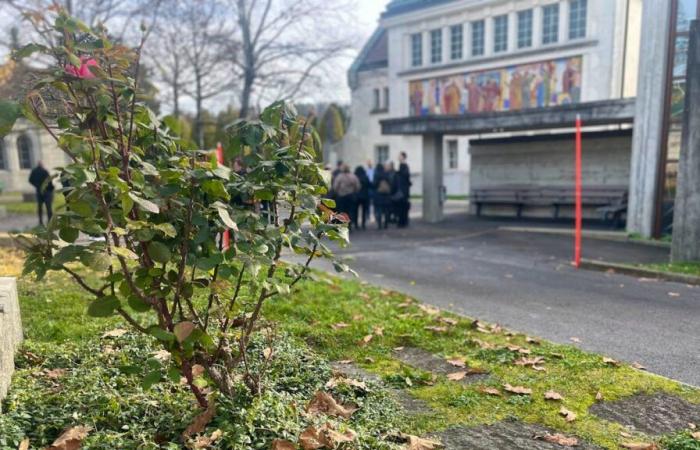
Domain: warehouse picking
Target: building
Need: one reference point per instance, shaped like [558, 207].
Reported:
[499, 83]
[26, 144]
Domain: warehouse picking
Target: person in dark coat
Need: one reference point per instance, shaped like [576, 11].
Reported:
[383, 187]
[403, 195]
[362, 198]
[39, 178]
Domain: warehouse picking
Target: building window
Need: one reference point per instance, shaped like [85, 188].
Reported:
[577, 19]
[3, 162]
[381, 153]
[377, 105]
[478, 32]
[456, 42]
[500, 33]
[386, 99]
[550, 24]
[24, 151]
[416, 49]
[436, 46]
[525, 29]
[452, 154]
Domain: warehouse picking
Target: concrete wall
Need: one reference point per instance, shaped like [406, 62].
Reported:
[10, 331]
[43, 149]
[549, 162]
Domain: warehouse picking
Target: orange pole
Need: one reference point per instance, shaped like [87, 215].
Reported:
[220, 159]
[579, 189]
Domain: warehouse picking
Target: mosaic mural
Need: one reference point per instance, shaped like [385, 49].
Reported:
[536, 85]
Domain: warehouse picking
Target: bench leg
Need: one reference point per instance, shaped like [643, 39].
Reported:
[520, 211]
[478, 209]
[556, 211]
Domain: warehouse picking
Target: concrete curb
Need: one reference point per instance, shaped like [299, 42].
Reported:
[634, 271]
[615, 236]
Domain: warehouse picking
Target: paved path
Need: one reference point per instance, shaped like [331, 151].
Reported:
[524, 281]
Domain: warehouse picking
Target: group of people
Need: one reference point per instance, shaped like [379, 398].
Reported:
[382, 188]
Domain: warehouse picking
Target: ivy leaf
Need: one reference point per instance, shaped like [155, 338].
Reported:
[9, 113]
[145, 204]
[159, 252]
[103, 307]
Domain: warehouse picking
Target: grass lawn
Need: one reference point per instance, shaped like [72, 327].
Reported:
[692, 268]
[14, 205]
[338, 320]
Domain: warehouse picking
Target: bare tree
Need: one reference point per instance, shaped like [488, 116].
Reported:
[285, 44]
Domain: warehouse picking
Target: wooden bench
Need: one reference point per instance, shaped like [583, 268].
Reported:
[610, 201]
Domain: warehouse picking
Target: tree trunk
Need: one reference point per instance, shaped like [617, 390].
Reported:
[199, 128]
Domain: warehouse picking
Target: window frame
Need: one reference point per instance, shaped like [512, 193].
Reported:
[436, 46]
[378, 150]
[29, 157]
[578, 19]
[525, 37]
[478, 37]
[500, 31]
[416, 49]
[457, 42]
[550, 25]
[453, 154]
[386, 98]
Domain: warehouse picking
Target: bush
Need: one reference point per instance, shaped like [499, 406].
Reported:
[159, 209]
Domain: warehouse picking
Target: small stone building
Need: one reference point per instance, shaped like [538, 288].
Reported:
[26, 144]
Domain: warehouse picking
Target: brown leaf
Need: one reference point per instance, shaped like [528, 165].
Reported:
[197, 370]
[429, 310]
[207, 441]
[610, 361]
[639, 446]
[575, 339]
[324, 403]
[484, 345]
[345, 362]
[280, 444]
[358, 317]
[334, 439]
[162, 355]
[457, 362]
[638, 366]
[519, 349]
[437, 329]
[457, 376]
[529, 361]
[532, 341]
[539, 368]
[337, 381]
[55, 373]
[416, 443]
[552, 395]
[599, 396]
[71, 439]
[118, 332]
[24, 445]
[183, 330]
[201, 421]
[695, 435]
[378, 331]
[366, 340]
[559, 439]
[692, 426]
[449, 321]
[311, 439]
[520, 390]
[570, 416]
[674, 294]
[267, 353]
[490, 391]
[339, 326]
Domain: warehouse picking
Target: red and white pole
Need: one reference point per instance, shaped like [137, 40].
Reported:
[579, 189]
[220, 159]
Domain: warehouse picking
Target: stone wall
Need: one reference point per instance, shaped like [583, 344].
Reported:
[10, 331]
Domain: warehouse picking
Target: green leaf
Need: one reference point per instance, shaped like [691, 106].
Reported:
[69, 234]
[159, 252]
[161, 334]
[183, 330]
[27, 50]
[145, 204]
[226, 218]
[124, 252]
[9, 113]
[151, 379]
[167, 229]
[103, 307]
[96, 261]
[138, 305]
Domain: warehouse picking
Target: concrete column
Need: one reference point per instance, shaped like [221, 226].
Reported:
[488, 36]
[537, 26]
[686, 219]
[649, 116]
[11, 152]
[433, 180]
[10, 331]
[512, 31]
[564, 9]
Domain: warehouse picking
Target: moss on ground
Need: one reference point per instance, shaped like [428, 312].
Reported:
[691, 268]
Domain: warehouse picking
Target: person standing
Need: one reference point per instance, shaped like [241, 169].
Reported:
[403, 193]
[41, 180]
[383, 186]
[362, 200]
[369, 170]
[346, 186]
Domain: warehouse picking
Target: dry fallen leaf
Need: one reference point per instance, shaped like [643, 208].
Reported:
[71, 439]
[610, 361]
[416, 443]
[201, 421]
[449, 321]
[379, 331]
[519, 349]
[399, 349]
[638, 366]
[267, 353]
[490, 391]
[639, 446]
[24, 445]
[324, 437]
[162, 355]
[334, 439]
[559, 439]
[457, 362]
[457, 376]
[55, 373]
[198, 370]
[345, 362]
[208, 441]
[437, 329]
[280, 444]
[520, 390]
[570, 416]
[118, 332]
[552, 395]
[337, 381]
[357, 317]
[339, 326]
[429, 310]
[696, 435]
[599, 396]
[529, 361]
[311, 439]
[674, 294]
[532, 341]
[324, 403]
[692, 426]
[575, 339]
[366, 340]
[484, 345]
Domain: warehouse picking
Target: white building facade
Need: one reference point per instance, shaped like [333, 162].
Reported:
[454, 57]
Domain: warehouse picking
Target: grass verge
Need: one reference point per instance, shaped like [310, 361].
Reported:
[692, 268]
